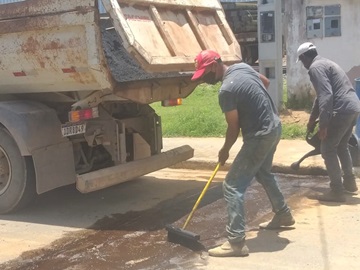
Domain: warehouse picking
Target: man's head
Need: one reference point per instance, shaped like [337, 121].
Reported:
[306, 54]
[209, 67]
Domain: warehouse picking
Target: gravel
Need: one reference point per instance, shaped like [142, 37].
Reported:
[122, 65]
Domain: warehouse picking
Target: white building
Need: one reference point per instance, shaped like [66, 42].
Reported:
[333, 26]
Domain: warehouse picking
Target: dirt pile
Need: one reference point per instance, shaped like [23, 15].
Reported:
[294, 117]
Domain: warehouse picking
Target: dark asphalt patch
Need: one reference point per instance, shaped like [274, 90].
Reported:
[138, 240]
[135, 240]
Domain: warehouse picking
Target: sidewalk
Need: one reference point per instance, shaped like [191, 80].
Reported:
[288, 151]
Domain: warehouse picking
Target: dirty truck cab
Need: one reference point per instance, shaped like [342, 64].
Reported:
[75, 88]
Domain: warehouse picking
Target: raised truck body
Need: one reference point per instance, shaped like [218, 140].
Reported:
[75, 88]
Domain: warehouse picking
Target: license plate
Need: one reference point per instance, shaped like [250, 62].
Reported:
[73, 129]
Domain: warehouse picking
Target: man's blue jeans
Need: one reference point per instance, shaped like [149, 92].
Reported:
[335, 147]
[254, 160]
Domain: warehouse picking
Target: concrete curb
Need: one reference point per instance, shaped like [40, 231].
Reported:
[199, 164]
[287, 152]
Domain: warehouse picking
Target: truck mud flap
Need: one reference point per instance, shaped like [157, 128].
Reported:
[107, 177]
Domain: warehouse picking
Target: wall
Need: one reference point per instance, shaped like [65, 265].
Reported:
[344, 49]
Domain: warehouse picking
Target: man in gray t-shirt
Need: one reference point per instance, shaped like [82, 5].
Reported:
[243, 90]
[337, 107]
[247, 107]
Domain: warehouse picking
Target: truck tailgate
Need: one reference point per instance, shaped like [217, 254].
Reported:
[165, 35]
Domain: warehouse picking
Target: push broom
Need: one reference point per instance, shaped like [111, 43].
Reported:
[180, 235]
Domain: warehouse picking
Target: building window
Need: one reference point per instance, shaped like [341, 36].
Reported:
[323, 21]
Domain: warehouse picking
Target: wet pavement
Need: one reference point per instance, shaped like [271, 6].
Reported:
[138, 240]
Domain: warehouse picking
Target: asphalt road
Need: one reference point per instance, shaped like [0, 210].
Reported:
[123, 227]
[65, 212]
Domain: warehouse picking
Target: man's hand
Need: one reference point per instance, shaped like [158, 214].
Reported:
[223, 156]
[322, 133]
[311, 126]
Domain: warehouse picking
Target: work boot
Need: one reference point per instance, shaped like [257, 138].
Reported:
[332, 196]
[278, 221]
[350, 186]
[230, 250]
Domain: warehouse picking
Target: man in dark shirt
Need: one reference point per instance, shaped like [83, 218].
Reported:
[247, 106]
[337, 107]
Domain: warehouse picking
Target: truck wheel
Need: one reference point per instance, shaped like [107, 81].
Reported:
[17, 176]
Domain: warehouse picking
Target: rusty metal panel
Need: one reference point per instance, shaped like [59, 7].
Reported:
[51, 46]
[40, 7]
[101, 7]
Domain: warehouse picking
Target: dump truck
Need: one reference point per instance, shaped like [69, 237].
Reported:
[76, 87]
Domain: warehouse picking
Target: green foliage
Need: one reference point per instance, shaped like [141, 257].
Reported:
[293, 131]
[294, 102]
[200, 116]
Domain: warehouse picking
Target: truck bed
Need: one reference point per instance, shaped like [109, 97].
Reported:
[143, 51]
[123, 67]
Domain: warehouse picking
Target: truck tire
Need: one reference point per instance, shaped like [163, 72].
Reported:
[17, 176]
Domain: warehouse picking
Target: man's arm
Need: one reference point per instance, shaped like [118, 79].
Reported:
[264, 80]
[232, 134]
[313, 116]
[324, 93]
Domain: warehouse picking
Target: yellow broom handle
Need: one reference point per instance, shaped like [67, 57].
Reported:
[201, 196]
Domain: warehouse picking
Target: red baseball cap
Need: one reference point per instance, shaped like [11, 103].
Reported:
[202, 60]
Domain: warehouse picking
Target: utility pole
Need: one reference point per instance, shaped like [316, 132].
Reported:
[270, 46]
